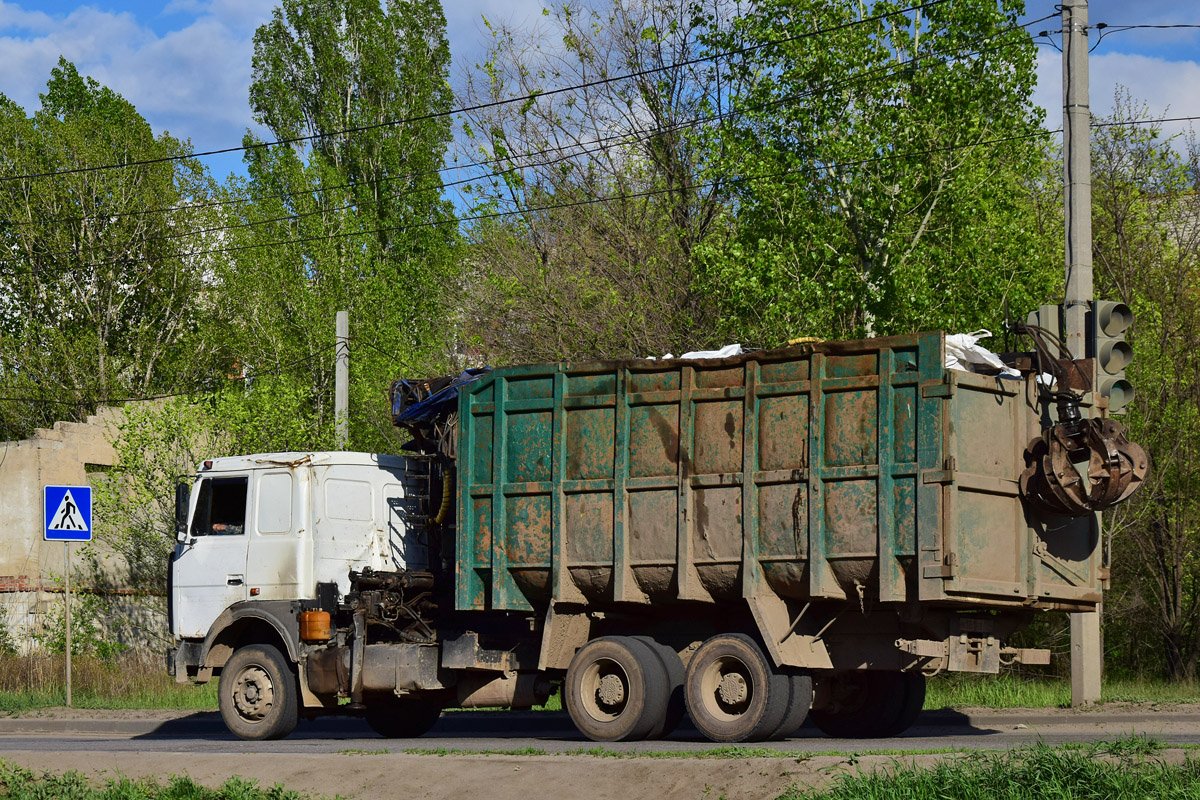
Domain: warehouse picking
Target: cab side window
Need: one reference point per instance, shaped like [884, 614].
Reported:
[220, 507]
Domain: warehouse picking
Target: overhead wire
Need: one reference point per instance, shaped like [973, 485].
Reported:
[446, 168]
[588, 201]
[580, 149]
[199, 389]
[1105, 30]
[595, 200]
[526, 98]
[648, 193]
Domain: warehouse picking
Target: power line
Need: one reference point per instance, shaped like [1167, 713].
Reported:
[595, 200]
[1150, 121]
[1105, 30]
[1119, 28]
[581, 149]
[280, 370]
[446, 168]
[531, 97]
[642, 195]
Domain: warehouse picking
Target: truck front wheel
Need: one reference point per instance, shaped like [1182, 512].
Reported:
[257, 694]
[617, 690]
[733, 692]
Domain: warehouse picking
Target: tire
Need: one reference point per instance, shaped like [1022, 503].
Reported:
[403, 719]
[860, 704]
[676, 705]
[616, 690]
[913, 686]
[257, 694]
[799, 702]
[733, 693]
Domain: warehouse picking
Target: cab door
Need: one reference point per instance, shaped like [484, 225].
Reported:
[210, 564]
[279, 553]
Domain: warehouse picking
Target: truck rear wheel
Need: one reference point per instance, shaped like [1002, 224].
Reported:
[403, 718]
[733, 693]
[616, 690]
[867, 705]
[914, 700]
[799, 701]
[257, 694]
[676, 705]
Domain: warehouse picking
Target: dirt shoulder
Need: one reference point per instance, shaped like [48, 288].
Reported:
[384, 776]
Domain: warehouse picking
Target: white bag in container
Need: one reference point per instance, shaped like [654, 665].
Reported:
[963, 350]
[725, 352]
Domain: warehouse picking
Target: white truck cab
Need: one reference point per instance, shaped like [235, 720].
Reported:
[274, 526]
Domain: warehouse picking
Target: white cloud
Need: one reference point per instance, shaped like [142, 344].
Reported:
[13, 16]
[465, 29]
[1168, 87]
[192, 80]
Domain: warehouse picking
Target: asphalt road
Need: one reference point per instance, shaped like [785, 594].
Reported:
[553, 733]
[524, 756]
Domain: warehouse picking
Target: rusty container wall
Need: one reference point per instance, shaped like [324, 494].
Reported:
[850, 470]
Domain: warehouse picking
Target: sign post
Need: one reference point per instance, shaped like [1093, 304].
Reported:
[67, 513]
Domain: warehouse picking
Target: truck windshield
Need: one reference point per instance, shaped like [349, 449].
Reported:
[220, 507]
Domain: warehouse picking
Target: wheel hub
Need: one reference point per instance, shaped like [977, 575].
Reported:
[611, 691]
[253, 693]
[732, 689]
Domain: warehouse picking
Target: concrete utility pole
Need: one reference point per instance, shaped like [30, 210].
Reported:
[1086, 657]
[341, 381]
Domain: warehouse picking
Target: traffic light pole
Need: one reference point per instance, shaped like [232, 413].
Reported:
[1086, 659]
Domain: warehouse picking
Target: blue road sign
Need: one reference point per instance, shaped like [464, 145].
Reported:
[67, 511]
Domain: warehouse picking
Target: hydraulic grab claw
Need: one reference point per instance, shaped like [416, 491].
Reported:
[1053, 481]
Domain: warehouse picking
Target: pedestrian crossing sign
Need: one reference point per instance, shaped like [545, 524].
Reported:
[67, 511]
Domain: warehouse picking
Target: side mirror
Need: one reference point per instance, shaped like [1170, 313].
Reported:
[183, 493]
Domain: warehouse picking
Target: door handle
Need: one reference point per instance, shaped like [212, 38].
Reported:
[234, 580]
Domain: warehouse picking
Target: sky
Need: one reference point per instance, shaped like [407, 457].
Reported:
[185, 64]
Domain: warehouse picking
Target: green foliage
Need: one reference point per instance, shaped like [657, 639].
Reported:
[887, 171]
[19, 783]
[88, 634]
[600, 189]
[1036, 771]
[345, 221]
[8, 642]
[155, 445]
[1147, 254]
[117, 680]
[100, 300]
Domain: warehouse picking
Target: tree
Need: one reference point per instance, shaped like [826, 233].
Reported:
[883, 164]
[594, 204]
[1146, 229]
[346, 213]
[99, 298]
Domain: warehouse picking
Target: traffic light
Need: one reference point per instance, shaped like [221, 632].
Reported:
[1048, 317]
[1108, 323]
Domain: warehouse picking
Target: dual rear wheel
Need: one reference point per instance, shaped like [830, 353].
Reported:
[621, 688]
[618, 689]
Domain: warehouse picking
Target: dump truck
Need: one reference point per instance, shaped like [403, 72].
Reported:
[807, 532]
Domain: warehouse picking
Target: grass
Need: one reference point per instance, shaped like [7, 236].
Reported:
[722, 752]
[1129, 770]
[604, 752]
[18, 783]
[1124, 768]
[133, 681]
[1013, 691]
[129, 680]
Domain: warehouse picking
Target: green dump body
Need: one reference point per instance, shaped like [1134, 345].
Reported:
[862, 471]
